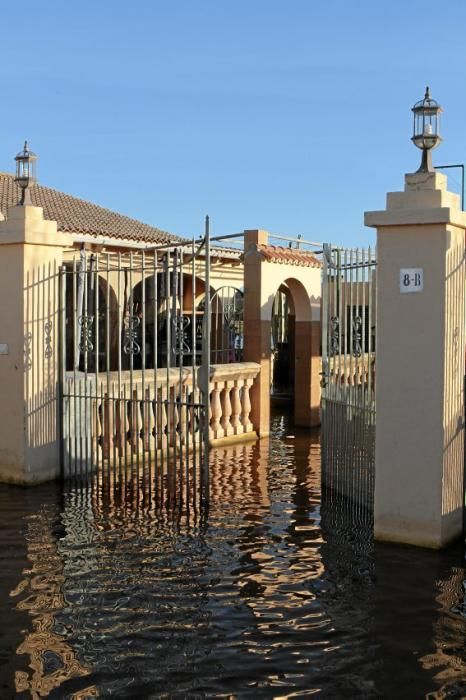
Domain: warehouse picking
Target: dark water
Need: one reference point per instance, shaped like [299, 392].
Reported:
[280, 593]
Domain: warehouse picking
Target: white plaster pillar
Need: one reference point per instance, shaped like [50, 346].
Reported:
[30, 257]
[420, 363]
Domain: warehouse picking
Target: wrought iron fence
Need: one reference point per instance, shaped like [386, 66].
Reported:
[349, 324]
[134, 362]
[227, 331]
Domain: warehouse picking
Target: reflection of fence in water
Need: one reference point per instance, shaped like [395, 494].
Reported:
[129, 426]
[348, 454]
[237, 471]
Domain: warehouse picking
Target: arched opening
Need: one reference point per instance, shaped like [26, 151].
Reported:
[90, 318]
[175, 310]
[292, 349]
[282, 346]
[226, 324]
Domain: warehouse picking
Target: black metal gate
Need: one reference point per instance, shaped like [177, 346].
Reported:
[348, 372]
[134, 368]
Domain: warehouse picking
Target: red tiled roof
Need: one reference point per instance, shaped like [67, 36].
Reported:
[290, 256]
[75, 215]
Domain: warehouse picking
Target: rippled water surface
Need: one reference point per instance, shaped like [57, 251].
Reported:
[278, 592]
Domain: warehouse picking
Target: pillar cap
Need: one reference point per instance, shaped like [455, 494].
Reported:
[425, 200]
[26, 224]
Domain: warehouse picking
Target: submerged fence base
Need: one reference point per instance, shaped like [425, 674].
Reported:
[348, 452]
[134, 428]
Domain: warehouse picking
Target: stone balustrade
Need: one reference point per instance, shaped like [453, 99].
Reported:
[353, 371]
[116, 415]
[230, 403]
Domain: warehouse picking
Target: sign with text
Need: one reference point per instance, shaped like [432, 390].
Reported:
[411, 280]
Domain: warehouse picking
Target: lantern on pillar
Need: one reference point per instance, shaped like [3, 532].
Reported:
[26, 172]
[426, 130]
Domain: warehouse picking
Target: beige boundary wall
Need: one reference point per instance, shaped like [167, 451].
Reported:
[420, 363]
[30, 257]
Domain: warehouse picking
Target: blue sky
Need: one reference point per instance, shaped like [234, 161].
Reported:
[290, 116]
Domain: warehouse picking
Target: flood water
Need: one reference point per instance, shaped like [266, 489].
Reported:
[276, 592]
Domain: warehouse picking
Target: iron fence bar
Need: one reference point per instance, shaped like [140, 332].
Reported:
[121, 405]
[289, 239]
[227, 236]
[109, 402]
[464, 462]
[363, 328]
[168, 359]
[75, 370]
[461, 167]
[356, 351]
[344, 324]
[193, 415]
[86, 361]
[105, 406]
[173, 412]
[370, 314]
[173, 245]
[334, 325]
[155, 393]
[144, 426]
[276, 236]
[79, 306]
[206, 365]
[338, 283]
[180, 375]
[350, 316]
[95, 439]
[61, 367]
[130, 348]
[325, 312]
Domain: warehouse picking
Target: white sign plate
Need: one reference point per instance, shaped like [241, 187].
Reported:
[3, 349]
[411, 280]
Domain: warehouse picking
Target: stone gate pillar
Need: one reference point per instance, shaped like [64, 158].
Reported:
[30, 258]
[420, 363]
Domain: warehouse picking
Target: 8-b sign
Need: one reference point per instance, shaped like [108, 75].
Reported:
[411, 280]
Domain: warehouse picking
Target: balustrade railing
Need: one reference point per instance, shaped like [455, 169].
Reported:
[114, 416]
[355, 372]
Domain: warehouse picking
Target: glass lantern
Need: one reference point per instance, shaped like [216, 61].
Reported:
[25, 172]
[426, 129]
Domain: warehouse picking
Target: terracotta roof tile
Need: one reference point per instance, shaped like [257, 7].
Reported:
[75, 215]
[293, 256]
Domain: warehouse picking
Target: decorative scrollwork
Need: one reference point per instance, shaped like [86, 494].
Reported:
[48, 328]
[28, 350]
[86, 323]
[229, 313]
[199, 329]
[181, 325]
[357, 326]
[334, 335]
[130, 342]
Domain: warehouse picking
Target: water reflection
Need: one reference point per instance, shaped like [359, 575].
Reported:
[277, 592]
[52, 661]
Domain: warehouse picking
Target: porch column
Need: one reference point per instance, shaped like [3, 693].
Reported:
[307, 374]
[257, 332]
[30, 258]
[420, 363]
